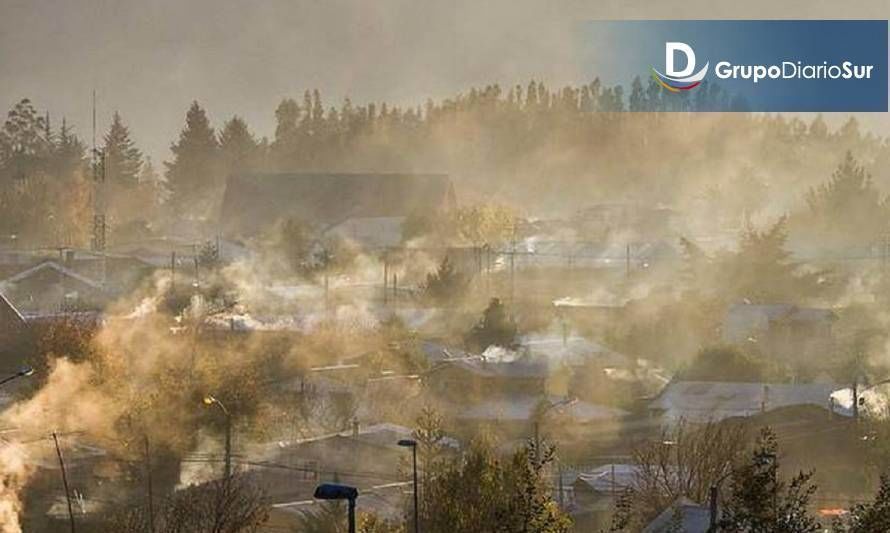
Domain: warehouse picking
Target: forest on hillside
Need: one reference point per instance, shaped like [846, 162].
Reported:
[541, 150]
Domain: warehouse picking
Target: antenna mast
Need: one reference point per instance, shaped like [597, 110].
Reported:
[98, 163]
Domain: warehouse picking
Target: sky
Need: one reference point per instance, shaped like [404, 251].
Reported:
[149, 59]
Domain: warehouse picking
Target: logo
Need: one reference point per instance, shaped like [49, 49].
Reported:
[679, 80]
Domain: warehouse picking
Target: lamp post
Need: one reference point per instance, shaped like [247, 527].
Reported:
[24, 372]
[333, 491]
[712, 497]
[210, 400]
[409, 443]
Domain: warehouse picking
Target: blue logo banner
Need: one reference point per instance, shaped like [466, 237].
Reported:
[745, 65]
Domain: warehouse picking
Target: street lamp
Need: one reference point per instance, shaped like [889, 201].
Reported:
[409, 443]
[712, 499]
[210, 400]
[332, 491]
[24, 372]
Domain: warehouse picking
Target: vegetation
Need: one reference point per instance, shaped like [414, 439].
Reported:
[760, 501]
[727, 363]
[495, 328]
[446, 284]
[481, 493]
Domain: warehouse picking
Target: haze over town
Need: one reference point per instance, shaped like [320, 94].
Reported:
[422, 251]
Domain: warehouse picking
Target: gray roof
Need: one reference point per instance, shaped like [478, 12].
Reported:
[518, 408]
[683, 515]
[518, 369]
[254, 201]
[610, 478]
[573, 350]
[743, 319]
[53, 266]
[700, 401]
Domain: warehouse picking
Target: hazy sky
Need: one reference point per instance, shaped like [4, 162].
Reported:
[149, 59]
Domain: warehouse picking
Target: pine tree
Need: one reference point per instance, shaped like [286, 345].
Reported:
[123, 160]
[69, 152]
[239, 150]
[192, 175]
[760, 501]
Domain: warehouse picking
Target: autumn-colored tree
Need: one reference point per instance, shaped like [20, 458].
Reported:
[480, 493]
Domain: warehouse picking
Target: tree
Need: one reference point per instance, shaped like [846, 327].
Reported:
[326, 517]
[24, 143]
[872, 516]
[193, 176]
[480, 493]
[429, 434]
[685, 462]
[848, 206]
[762, 270]
[228, 505]
[123, 161]
[239, 149]
[760, 501]
[69, 153]
[495, 328]
[446, 284]
[725, 363]
[484, 224]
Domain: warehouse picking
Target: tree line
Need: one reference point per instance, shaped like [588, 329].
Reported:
[560, 148]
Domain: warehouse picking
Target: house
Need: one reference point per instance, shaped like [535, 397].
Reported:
[608, 219]
[49, 287]
[366, 206]
[362, 457]
[703, 401]
[524, 409]
[13, 328]
[571, 350]
[783, 330]
[469, 378]
[594, 492]
[683, 515]
[386, 502]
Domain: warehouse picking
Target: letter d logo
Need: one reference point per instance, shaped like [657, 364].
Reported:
[670, 50]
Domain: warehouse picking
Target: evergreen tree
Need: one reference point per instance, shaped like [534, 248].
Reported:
[848, 206]
[872, 516]
[69, 153]
[496, 327]
[123, 160]
[761, 502]
[192, 176]
[239, 150]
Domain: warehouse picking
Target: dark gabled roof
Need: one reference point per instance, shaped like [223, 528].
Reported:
[52, 265]
[252, 202]
[683, 515]
[11, 321]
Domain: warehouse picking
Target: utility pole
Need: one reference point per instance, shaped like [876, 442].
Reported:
[151, 507]
[385, 275]
[197, 278]
[513, 266]
[856, 398]
[64, 480]
[627, 261]
[228, 464]
[99, 175]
